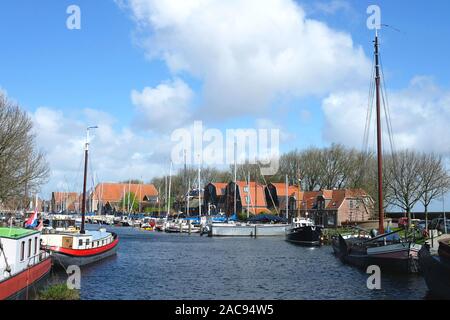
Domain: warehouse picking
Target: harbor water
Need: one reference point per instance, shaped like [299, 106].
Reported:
[160, 266]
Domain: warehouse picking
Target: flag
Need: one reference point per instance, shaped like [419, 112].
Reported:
[40, 226]
[32, 220]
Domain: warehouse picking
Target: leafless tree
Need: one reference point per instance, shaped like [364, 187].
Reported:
[434, 180]
[404, 181]
[23, 168]
[310, 168]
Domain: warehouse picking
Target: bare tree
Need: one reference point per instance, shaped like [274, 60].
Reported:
[336, 165]
[404, 181]
[22, 168]
[310, 168]
[434, 180]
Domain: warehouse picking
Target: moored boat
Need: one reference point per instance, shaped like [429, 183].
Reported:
[389, 253]
[304, 232]
[74, 248]
[80, 247]
[23, 264]
[238, 229]
[436, 271]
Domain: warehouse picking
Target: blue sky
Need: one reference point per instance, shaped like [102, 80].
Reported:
[68, 79]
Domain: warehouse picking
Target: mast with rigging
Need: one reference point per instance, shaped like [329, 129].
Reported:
[379, 142]
[83, 204]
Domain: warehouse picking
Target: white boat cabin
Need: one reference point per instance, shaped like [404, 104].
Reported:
[19, 249]
[78, 241]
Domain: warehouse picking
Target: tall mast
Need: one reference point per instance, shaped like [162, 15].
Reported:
[83, 204]
[248, 194]
[199, 194]
[379, 148]
[287, 197]
[168, 194]
[189, 191]
[235, 178]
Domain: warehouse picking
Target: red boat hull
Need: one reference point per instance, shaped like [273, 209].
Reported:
[12, 287]
[66, 257]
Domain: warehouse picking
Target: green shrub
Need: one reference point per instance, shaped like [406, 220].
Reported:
[59, 292]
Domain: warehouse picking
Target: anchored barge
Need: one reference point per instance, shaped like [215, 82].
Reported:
[23, 264]
[81, 247]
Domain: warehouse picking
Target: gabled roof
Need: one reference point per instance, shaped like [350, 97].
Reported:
[256, 192]
[113, 192]
[335, 197]
[293, 191]
[220, 187]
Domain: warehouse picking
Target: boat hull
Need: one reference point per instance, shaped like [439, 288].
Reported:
[397, 258]
[402, 258]
[436, 272]
[247, 230]
[305, 236]
[80, 258]
[17, 286]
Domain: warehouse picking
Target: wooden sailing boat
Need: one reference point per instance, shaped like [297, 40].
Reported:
[81, 247]
[393, 254]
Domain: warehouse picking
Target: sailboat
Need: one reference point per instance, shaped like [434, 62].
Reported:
[81, 247]
[387, 250]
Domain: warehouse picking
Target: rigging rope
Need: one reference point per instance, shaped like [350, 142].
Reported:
[8, 267]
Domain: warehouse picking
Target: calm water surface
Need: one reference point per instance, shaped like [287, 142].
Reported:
[151, 265]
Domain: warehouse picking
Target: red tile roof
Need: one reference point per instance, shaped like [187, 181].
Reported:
[113, 192]
[293, 191]
[64, 196]
[335, 197]
[257, 194]
[220, 187]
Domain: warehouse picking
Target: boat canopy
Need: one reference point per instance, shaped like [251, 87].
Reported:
[266, 218]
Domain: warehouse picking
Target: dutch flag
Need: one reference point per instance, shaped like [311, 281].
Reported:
[32, 220]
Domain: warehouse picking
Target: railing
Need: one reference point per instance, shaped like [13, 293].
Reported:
[41, 256]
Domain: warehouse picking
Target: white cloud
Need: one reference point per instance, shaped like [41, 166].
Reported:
[248, 53]
[115, 154]
[164, 107]
[331, 7]
[420, 115]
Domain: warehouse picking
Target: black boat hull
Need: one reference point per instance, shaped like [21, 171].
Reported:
[352, 254]
[436, 272]
[305, 236]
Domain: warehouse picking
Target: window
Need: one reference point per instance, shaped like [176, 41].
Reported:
[35, 245]
[245, 188]
[22, 251]
[29, 248]
[80, 242]
[87, 242]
